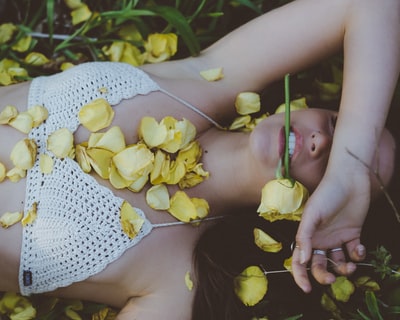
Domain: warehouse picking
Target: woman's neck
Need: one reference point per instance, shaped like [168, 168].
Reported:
[236, 178]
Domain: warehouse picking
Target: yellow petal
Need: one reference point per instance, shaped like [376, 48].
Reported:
[3, 172]
[160, 171]
[16, 174]
[112, 140]
[36, 59]
[100, 160]
[367, 283]
[157, 197]
[265, 242]
[282, 200]
[82, 157]
[30, 216]
[23, 44]
[240, 122]
[38, 114]
[247, 102]
[139, 183]
[251, 285]
[80, 14]
[10, 218]
[6, 32]
[46, 163]
[96, 115]
[23, 155]
[73, 4]
[298, 104]
[342, 289]
[328, 303]
[133, 161]
[202, 207]
[288, 264]
[8, 114]
[131, 221]
[173, 140]
[213, 74]
[61, 143]
[115, 178]
[160, 47]
[190, 155]
[188, 281]
[188, 132]
[177, 171]
[22, 122]
[153, 133]
[182, 208]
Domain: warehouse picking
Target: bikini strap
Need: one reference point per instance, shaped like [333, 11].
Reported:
[193, 108]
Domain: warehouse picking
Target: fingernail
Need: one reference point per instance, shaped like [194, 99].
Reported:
[302, 257]
[360, 250]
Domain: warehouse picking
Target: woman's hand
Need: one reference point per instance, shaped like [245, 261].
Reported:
[332, 219]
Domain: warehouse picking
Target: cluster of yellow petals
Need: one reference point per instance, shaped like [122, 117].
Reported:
[16, 307]
[23, 121]
[282, 199]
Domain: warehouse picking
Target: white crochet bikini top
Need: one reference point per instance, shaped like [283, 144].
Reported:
[77, 232]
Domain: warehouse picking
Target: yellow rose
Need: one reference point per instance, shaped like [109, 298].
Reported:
[160, 47]
[281, 199]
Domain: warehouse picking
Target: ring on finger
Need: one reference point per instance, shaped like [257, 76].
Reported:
[319, 252]
[336, 249]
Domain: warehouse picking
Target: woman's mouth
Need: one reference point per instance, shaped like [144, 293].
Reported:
[294, 142]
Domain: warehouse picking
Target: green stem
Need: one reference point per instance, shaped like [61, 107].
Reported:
[287, 125]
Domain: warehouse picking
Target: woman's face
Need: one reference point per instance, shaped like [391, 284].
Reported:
[309, 143]
[309, 146]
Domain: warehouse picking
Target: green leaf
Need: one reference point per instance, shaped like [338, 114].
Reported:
[372, 304]
[250, 4]
[50, 18]
[177, 20]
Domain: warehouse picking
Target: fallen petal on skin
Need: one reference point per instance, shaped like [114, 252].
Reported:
[38, 114]
[30, 216]
[61, 143]
[265, 242]
[140, 182]
[160, 172]
[10, 218]
[202, 207]
[22, 122]
[100, 161]
[240, 122]
[190, 155]
[251, 285]
[46, 163]
[298, 104]
[96, 115]
[8, 114]
[82, 157]
[188, 281]
[188, 131]
[116, 180]
[131, 221]
[157, 197]
[182, 207]
[23, 155]
[112, 140]
[3, 172]
[16, 174]
[247, 103]
[177, 171]
[213, 74]
[152, 132]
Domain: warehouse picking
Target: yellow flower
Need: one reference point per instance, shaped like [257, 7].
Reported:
[247, 102]
[342, 289]
[131, 221]
[265, 242]
[157, 197]
[121, 51]
[282, 200]
[213, 74]
[186, 209]
[23, 155]
[61, 143]
[96, 115]
[10, 218]
[80, 14]
[160, 47]
[6, 32]
[298, 104]
[36, 59]
[251, 285]
[30, 216]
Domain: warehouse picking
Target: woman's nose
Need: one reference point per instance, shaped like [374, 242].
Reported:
[319, 144]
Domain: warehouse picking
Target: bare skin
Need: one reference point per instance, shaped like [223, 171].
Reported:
[306, 41]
